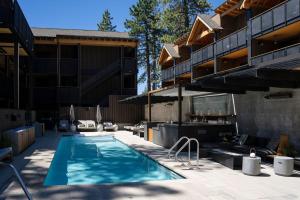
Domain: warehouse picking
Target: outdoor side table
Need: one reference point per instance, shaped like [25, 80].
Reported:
[251, 166]
[283, 165]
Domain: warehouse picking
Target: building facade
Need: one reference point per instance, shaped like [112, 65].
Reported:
[47, 70]
[249, 49]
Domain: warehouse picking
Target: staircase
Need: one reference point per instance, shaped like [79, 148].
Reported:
[101, 76]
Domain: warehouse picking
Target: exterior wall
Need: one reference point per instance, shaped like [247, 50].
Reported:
[116, 112]
[11, 118]
[269, 117]
[162, 112]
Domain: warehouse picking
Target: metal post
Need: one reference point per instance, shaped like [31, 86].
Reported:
[28, 195]
[16, 74]
[179, 105]
[234, 112]
[249, 35]
[149, 107]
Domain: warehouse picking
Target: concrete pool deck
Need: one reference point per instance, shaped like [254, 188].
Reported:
[210, 181]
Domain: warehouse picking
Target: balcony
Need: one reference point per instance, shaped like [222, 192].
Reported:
[167, 74]
[45, 66]
[183, 67]
[68, 66]
[12, 17]
[275, 18]
[280, 53]
[68, 95]
[44, 96]
[232, 42]
[129, 65]
[203, 55]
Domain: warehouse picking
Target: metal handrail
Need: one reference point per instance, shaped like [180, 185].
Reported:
[181, 148]
[180, 139]
[28, 195]
[189, 151]
[194, 139]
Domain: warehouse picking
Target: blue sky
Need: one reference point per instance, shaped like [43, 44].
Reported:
[78, 14]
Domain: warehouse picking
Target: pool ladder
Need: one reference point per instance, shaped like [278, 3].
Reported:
[188, 142]
[29, 197]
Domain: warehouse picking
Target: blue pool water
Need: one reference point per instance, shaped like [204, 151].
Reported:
[102, 160]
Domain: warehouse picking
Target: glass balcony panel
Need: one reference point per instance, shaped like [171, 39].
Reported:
[292, 9]
[200, 56]
[267, 57]
[266, 21]
[279, 15]
[256, 25]
[226, 44]
[210, 50]
[293, 50]
[241, 36]
[233, 41]
[205, 54]
[279, 54]
[219, 47]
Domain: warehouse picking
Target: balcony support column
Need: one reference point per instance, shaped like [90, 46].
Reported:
[249, 35]
[122, 69]
[174, 71]
[215, 54]
[179, 105]
[16, 74]
[149, 107]
[79, 73]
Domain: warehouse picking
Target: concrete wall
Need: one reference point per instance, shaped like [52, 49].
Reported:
[11, 118]
[169, 111]
[269, 117]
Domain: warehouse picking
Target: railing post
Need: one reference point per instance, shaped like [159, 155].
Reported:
[249, 35]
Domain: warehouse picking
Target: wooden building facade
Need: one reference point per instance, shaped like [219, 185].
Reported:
[82, 68]
[242, 34]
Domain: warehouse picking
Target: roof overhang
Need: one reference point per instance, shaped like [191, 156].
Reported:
[143, 99]
[166, 55]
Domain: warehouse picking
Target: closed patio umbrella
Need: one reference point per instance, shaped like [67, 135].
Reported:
[98, 119]
[72, 114]
[98, 115]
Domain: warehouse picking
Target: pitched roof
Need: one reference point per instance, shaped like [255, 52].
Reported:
[52, 33]
[171, 50]
[206, 19]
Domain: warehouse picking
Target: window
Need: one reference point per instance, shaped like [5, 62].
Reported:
[212, 105]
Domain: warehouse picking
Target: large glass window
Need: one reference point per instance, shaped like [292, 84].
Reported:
[212, 105]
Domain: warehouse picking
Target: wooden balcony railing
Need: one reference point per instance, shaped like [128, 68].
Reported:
[276, 17]
[203, 55]
[11, 16]
[280, 53]
[232, 42]
[45, 66]
[167, 74]
[183, 67]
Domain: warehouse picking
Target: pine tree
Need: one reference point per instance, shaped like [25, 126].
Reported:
[144, 26]
[106, 22]
[177, 16]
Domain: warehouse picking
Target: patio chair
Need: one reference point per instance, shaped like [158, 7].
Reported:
[63, 125]
[8, 153]
[109, 126]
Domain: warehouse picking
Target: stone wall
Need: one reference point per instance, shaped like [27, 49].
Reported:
[269, 117]
[162, 112]
[11, 118]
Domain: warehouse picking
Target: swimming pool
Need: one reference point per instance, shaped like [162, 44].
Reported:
[102, 160]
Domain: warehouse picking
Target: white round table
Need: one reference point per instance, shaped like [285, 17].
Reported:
[251, 166]
[283, 165]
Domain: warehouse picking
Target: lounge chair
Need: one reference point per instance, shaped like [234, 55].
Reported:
[108, 126]
[6, 153]
[63, 125]
[86, 125]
